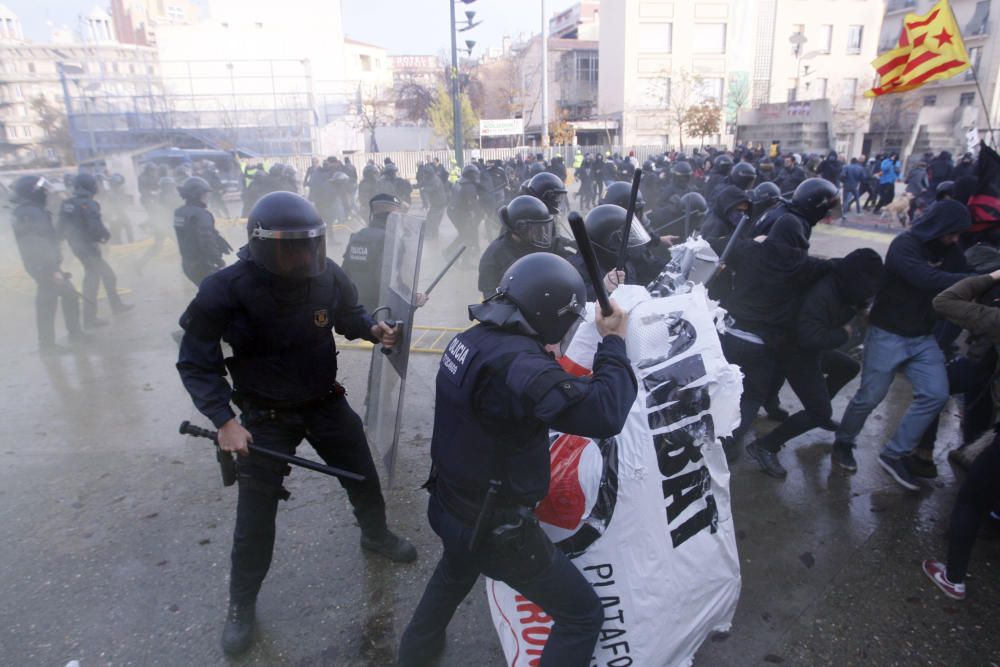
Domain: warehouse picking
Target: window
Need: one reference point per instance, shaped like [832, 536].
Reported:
[979, 22]
[366, 63]
[854, 35]
[792, 91]
[825, 38]
[798, 29]
[930, 100]
[31, 67]
[708, 91]
[818, 89]
[710, 37]
[655, 37]
[848, 91]
[175, 13]
[966, 99]
[586, 68]
[656, 93]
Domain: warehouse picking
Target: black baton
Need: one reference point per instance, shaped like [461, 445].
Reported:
[590, 261]
[629, 214]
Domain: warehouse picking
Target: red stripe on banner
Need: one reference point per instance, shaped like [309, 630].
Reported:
[893, 64]
[927, 21]
[936, 70]
[904, 38]
[922, 59]
[919, 41]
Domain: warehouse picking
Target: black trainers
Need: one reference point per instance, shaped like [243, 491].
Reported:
[238, 633]
[899, 471]
[843, 456]
[390, 545]
[920, 467]
[776, 413]
[766, 460]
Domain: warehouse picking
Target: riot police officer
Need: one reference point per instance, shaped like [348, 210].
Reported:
[466, 209]
[742, 176]
[392, 184]
[721, 167]
[812, 201]
[498, 393]
[550, 189]
[604, 227]
[528, 227]
[38, 243]
[368, 186]
[80, 223]
[200, 244]
[363, 256]
[277, 307]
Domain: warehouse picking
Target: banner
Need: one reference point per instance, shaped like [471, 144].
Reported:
[503, 127]
[645, 515]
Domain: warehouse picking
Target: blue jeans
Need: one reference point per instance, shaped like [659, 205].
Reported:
[922, 361]
[852, 195]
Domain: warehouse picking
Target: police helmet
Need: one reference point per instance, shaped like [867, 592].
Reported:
[619, 193]
[470, 172]
[383, 203]
[547, 291]
[944, 189]
[604, 226]
[648, 166]
[531, 219]
[766, 194]
[550, 189]
[743, 175]
[814, 198]
[194, 188]
[390, 171]
[370, 171]
[681, 168]
[694, 204]
[85, 183]
[30, 189]
[723, 163]
[287, 236]
[536, 168]
[276, 170]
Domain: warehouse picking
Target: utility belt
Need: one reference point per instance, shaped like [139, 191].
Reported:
[497, 523]
[259, 407]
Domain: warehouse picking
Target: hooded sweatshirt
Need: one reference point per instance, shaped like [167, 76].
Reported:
[918, 266]
[723, 218]
[836, 299]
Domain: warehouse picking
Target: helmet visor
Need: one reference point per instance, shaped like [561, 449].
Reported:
[557, 201]
[638, 236]
[290, 254]
[538, 234]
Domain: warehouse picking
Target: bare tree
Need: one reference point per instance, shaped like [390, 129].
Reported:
[682, 94]
[375, 107]
[413, 101]
[55, 125]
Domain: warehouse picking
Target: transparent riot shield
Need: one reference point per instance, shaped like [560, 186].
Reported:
[387, 375]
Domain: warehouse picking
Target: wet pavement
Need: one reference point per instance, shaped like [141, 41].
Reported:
[117, 529]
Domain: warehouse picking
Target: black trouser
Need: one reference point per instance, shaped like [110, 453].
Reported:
[974, 381]
[759, 365]
[978, 496]
[50, 291]
[541, 573]
[96, 271]
[335, 432]
[886, 193]
[815, 377]
[433, 221]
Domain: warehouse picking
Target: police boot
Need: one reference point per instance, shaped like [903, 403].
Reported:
[238, 633]
[390, 545]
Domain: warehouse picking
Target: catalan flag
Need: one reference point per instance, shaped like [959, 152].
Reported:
[930, 47]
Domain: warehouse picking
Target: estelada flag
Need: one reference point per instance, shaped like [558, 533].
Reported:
[985, 204]
[930, 47]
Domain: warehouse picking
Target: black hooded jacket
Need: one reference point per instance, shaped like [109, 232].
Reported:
[719, 222]
[770, 279]
[918, 267]
[836, 299]
[940, 169]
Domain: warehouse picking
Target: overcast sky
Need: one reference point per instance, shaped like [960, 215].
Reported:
[401, 26]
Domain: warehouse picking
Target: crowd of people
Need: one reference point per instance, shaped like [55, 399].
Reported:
[792, 318]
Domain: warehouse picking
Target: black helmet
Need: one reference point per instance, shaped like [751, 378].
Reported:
[604, 226]
[547, 291]
[390, 170]
[814, 198]
[648, 166]
[619, 192]
[370, 171]
[694, 204]
[85, 183]
[287, 236]
[194, 187]
[763, 197]
[944, 189]
[471, 172]
[723, 163]
[276, 170]
[384, 203]
[117, 180]
[549, 188]
[743, 175]
[536, 168]
[30, 189]
[530, 219]
[681, 168]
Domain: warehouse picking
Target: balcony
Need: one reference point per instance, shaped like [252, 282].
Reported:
[900, 5]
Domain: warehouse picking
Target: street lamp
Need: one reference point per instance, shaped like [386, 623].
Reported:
[456, 100]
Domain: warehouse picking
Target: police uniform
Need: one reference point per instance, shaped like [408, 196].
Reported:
[504, 251]
[201, 246]
[363, 263]
[284, 373]
[497, 395]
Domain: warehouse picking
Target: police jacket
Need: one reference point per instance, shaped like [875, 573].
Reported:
[504, 251]
[498, 394]
[283, 353]
[80, 223]
[363, 263]
[197, 238]
[37, 240]
[367, 188]
[465, 204]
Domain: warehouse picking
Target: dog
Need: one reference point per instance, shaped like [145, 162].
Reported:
[898, 209]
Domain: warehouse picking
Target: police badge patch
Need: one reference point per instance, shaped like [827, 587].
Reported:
[321, 317]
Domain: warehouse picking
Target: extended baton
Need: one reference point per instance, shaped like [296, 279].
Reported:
[590, 261]
[733, 240]
[629, 214]
[189, 429]
[447, 266]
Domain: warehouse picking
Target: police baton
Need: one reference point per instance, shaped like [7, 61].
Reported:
[590, 261]
[733, 240]
[629, 214]
[447, 266]
[189, 429]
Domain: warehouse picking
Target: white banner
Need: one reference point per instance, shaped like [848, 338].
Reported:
[645, 515]
[502, 127]
[972, 141]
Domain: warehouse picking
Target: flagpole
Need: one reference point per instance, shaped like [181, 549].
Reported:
[982, 100]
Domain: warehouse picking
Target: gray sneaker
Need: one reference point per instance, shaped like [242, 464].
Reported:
[766, 460]
[899, 471]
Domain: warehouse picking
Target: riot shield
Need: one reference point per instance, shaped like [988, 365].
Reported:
[387, 374]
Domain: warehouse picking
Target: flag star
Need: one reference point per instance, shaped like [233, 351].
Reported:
[943, 37]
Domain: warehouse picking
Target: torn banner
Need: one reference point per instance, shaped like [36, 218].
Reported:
[646, 515]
